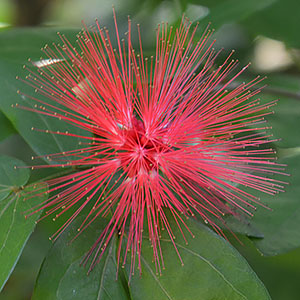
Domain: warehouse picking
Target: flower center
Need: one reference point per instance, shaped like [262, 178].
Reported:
[139, 154]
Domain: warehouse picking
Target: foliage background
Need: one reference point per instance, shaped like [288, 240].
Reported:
[265, 32]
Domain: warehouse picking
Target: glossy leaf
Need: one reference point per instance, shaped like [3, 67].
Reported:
[15, 229]
[62, 277]
[212, 269]
[16, 46]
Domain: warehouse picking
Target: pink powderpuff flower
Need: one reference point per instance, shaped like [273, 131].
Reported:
[171, 131]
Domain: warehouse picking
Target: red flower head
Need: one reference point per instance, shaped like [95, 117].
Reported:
[167, 132]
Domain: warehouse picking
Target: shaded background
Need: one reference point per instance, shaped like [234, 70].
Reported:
[265, 32]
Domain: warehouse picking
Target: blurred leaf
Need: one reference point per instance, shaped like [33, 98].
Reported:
[229, 11]
[288, 152]
[62, 277]
[11, 177]
[280, 21]
[15, 229]
[281, 226]
[285, 82]
[6, 129]
[6, 14]
[16, 46]
[286, 118]
[212, 269]
[151, 3]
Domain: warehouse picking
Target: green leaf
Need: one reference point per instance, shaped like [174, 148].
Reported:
[286, 119]
[12, 175]
[212, 269]
[242, 225]
[6, 128]
[228, 11]
[16, 46]
[15, 229]
[288, 152]
[274, 225]
[281, 226]
[62, 277]
[280, 21]
[236, 224]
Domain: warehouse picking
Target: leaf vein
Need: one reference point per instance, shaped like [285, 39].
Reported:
[154, 276]
[214, 268]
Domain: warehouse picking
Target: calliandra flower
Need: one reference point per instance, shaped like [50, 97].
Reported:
[168, 132]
